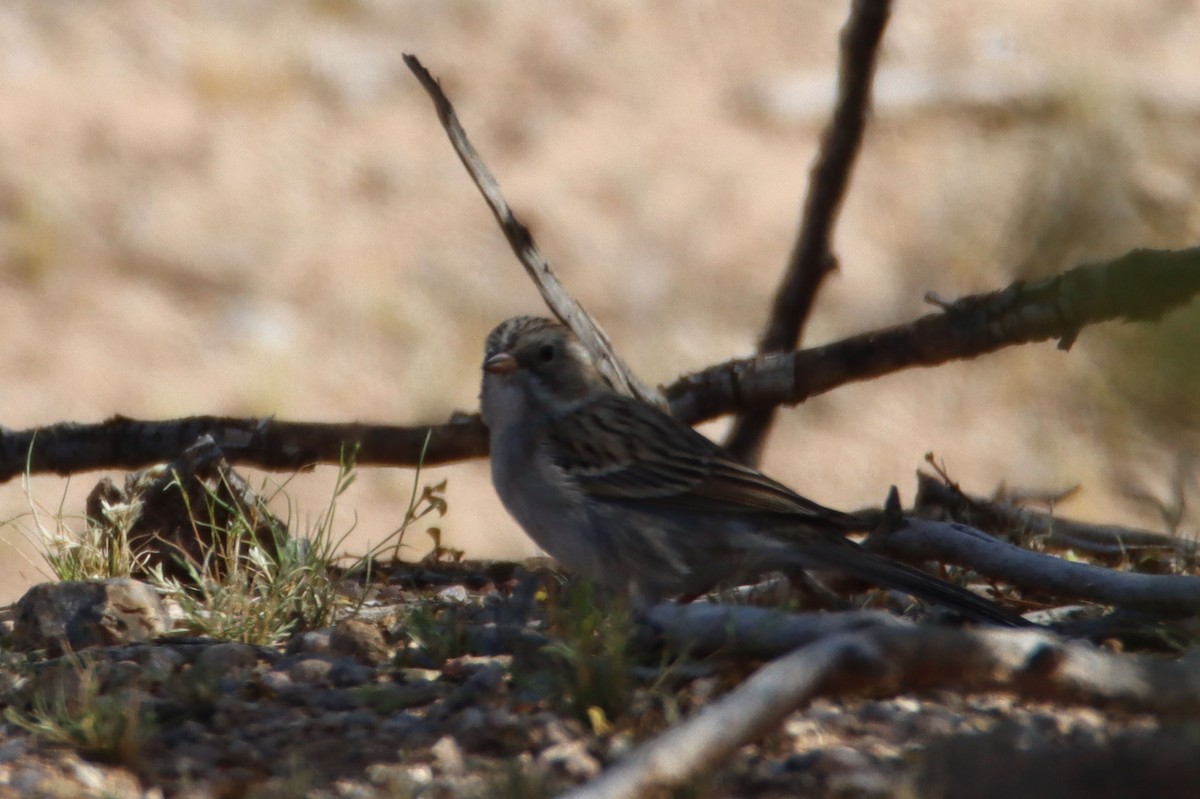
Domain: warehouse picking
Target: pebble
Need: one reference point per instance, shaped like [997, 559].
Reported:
[572, 757]
[225, 660]
[276, 681]
[449, 755]
[310, 670]
[347, 673]
[313, 642]
[360, 640]
[455, 593]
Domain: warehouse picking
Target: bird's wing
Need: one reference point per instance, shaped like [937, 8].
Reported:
[618, 448]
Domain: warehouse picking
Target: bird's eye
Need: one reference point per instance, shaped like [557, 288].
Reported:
[546, 353]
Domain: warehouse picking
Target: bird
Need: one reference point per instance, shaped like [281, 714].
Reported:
[623, 493]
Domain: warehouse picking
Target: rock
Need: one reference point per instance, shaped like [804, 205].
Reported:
[448, 755]
[490, 731]
[225, 661]
[347, 673]
[276, 681]
[401, 780]
[50, 774]
[387, 698]
[360, 640]
[455, 593]
[160, 663]
[312, 642]
[573, 758]
[310, 670]
[77, 615]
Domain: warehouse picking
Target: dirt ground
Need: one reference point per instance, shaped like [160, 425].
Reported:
[250, 209]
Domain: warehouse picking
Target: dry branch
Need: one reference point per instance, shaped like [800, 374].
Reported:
[119, 442]
[812, 257]
[947, 542]
[892, 659]
[555, 294]
[1138, 286]
[1051, 531]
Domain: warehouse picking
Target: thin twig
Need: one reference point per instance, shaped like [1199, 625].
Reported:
[1050, 530]
[812, 257]
[556, 296]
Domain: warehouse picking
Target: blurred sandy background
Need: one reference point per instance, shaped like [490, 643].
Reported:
[249, 208]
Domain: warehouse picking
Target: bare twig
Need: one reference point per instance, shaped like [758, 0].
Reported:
[1052, 531]
[812, 257]
[884, 661]
[1138, 286]
[557, 298]
[947, 542]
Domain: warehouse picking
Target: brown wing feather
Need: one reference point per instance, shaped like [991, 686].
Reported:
[648, 456]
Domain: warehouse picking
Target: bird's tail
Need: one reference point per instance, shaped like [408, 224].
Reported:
[858, 562]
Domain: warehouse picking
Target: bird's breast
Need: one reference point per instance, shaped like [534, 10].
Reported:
[551, 511]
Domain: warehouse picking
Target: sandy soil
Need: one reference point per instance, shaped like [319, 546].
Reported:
[249, 209]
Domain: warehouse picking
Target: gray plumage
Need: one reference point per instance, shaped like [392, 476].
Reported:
[618, 491]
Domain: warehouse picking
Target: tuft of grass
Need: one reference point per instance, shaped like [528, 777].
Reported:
[243, 586]
[72, 709]
[96, 551]
[245, 589]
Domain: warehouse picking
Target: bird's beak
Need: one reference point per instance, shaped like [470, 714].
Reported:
[500, 364]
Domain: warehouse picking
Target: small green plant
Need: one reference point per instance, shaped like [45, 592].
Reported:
[593, 633]
[96, 550]
[250, 581]
[252, 590]
[429, 500]
[68, 706]
[438, 633]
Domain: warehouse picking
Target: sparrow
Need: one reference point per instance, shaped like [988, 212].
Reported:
[620, 492]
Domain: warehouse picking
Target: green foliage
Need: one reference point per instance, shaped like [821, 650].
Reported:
[593, 632]
[436, 633]
[430, 500]
[254, 591]
[253, 582]
[69, 706]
